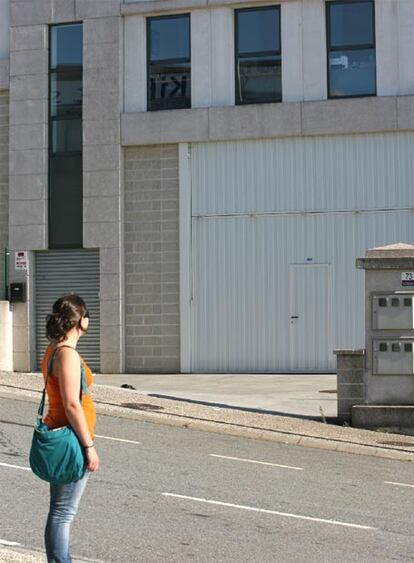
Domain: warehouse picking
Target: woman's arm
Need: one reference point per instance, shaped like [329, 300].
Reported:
[68, 368]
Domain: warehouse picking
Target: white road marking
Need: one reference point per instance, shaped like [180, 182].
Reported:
[116, 439]
[10, 543]
[255, 461]
[15, 466]
[398, 484]
[265, 511]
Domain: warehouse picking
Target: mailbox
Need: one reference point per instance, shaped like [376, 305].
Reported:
[393, 356]
[17, 292]
[393, 311]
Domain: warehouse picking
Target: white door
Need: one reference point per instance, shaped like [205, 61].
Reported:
[310, 331]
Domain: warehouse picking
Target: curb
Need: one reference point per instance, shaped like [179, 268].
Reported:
[235, 430]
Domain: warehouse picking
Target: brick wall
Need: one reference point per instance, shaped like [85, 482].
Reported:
[4, 183]
[152, 259]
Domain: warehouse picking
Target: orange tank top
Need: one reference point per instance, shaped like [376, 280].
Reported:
[56, 415]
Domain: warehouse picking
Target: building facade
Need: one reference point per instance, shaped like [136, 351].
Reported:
[204, 173]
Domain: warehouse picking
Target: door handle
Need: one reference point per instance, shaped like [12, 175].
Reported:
[294, 317]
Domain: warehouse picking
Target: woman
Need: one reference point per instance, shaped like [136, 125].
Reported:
[67, 323]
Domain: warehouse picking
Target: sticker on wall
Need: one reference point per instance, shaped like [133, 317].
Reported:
[20, 260]
[407, 279]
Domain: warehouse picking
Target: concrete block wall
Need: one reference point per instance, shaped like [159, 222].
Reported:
[152, 259]
[350, 381]
[4, 183]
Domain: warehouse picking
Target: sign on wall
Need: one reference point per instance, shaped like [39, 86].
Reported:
[20, 260]
[407, 279]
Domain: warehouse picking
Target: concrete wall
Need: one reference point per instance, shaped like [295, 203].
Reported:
[28, 137]
[102, 175]
[102, 155]
[395, 47]
[152, 259]
[4, 29]
[4, 183]
[6, 337]
[331, 117]
[303, 31]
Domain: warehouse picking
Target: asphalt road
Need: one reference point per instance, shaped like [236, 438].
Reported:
[148, 503]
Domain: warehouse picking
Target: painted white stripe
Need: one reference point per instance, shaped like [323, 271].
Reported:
[255, 461]
[11, 543]
[116, 439]
[15, 466]
[399, 484]
[265, 511]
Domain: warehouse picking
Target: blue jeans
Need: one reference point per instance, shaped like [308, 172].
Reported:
[64, 503]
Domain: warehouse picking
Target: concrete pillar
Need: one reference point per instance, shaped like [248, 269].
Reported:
[200, 59]
[6, 337]
[315, 85]
[24, 320]
[406, 46]
[292, 51]
[383, 268]
[28, 157]
[135, 78]
[103, 196]
[222, 57]
[386, 32]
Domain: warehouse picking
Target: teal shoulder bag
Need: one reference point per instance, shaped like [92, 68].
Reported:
[56, 455]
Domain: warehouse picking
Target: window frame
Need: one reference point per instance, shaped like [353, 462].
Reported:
[356, 47]
[166, 61]
[277, 7]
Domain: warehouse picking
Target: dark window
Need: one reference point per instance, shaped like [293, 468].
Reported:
[65, 201]
[351, 48]
[65, 136]
[258, 55]
[169, 62]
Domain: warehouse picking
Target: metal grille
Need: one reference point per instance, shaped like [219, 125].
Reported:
[65, 271]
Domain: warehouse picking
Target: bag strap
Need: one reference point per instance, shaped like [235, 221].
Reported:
[83, 384]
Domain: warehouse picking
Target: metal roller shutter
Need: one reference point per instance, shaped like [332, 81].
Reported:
[65, 271]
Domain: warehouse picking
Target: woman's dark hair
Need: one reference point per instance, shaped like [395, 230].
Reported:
[67, 313]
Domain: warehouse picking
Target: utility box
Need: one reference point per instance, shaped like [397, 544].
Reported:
[389, 325]
[392, 357]
[393, 311]
[17, 292]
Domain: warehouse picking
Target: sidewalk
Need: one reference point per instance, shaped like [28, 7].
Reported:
[238, 405]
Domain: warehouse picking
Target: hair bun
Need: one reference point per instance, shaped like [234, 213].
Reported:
[67, 313]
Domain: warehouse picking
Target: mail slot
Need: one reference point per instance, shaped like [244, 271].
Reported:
[393, 311]
[393, 356]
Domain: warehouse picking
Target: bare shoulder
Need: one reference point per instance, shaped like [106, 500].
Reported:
[67, 358]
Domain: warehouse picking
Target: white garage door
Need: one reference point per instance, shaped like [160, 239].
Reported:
[276, 227]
